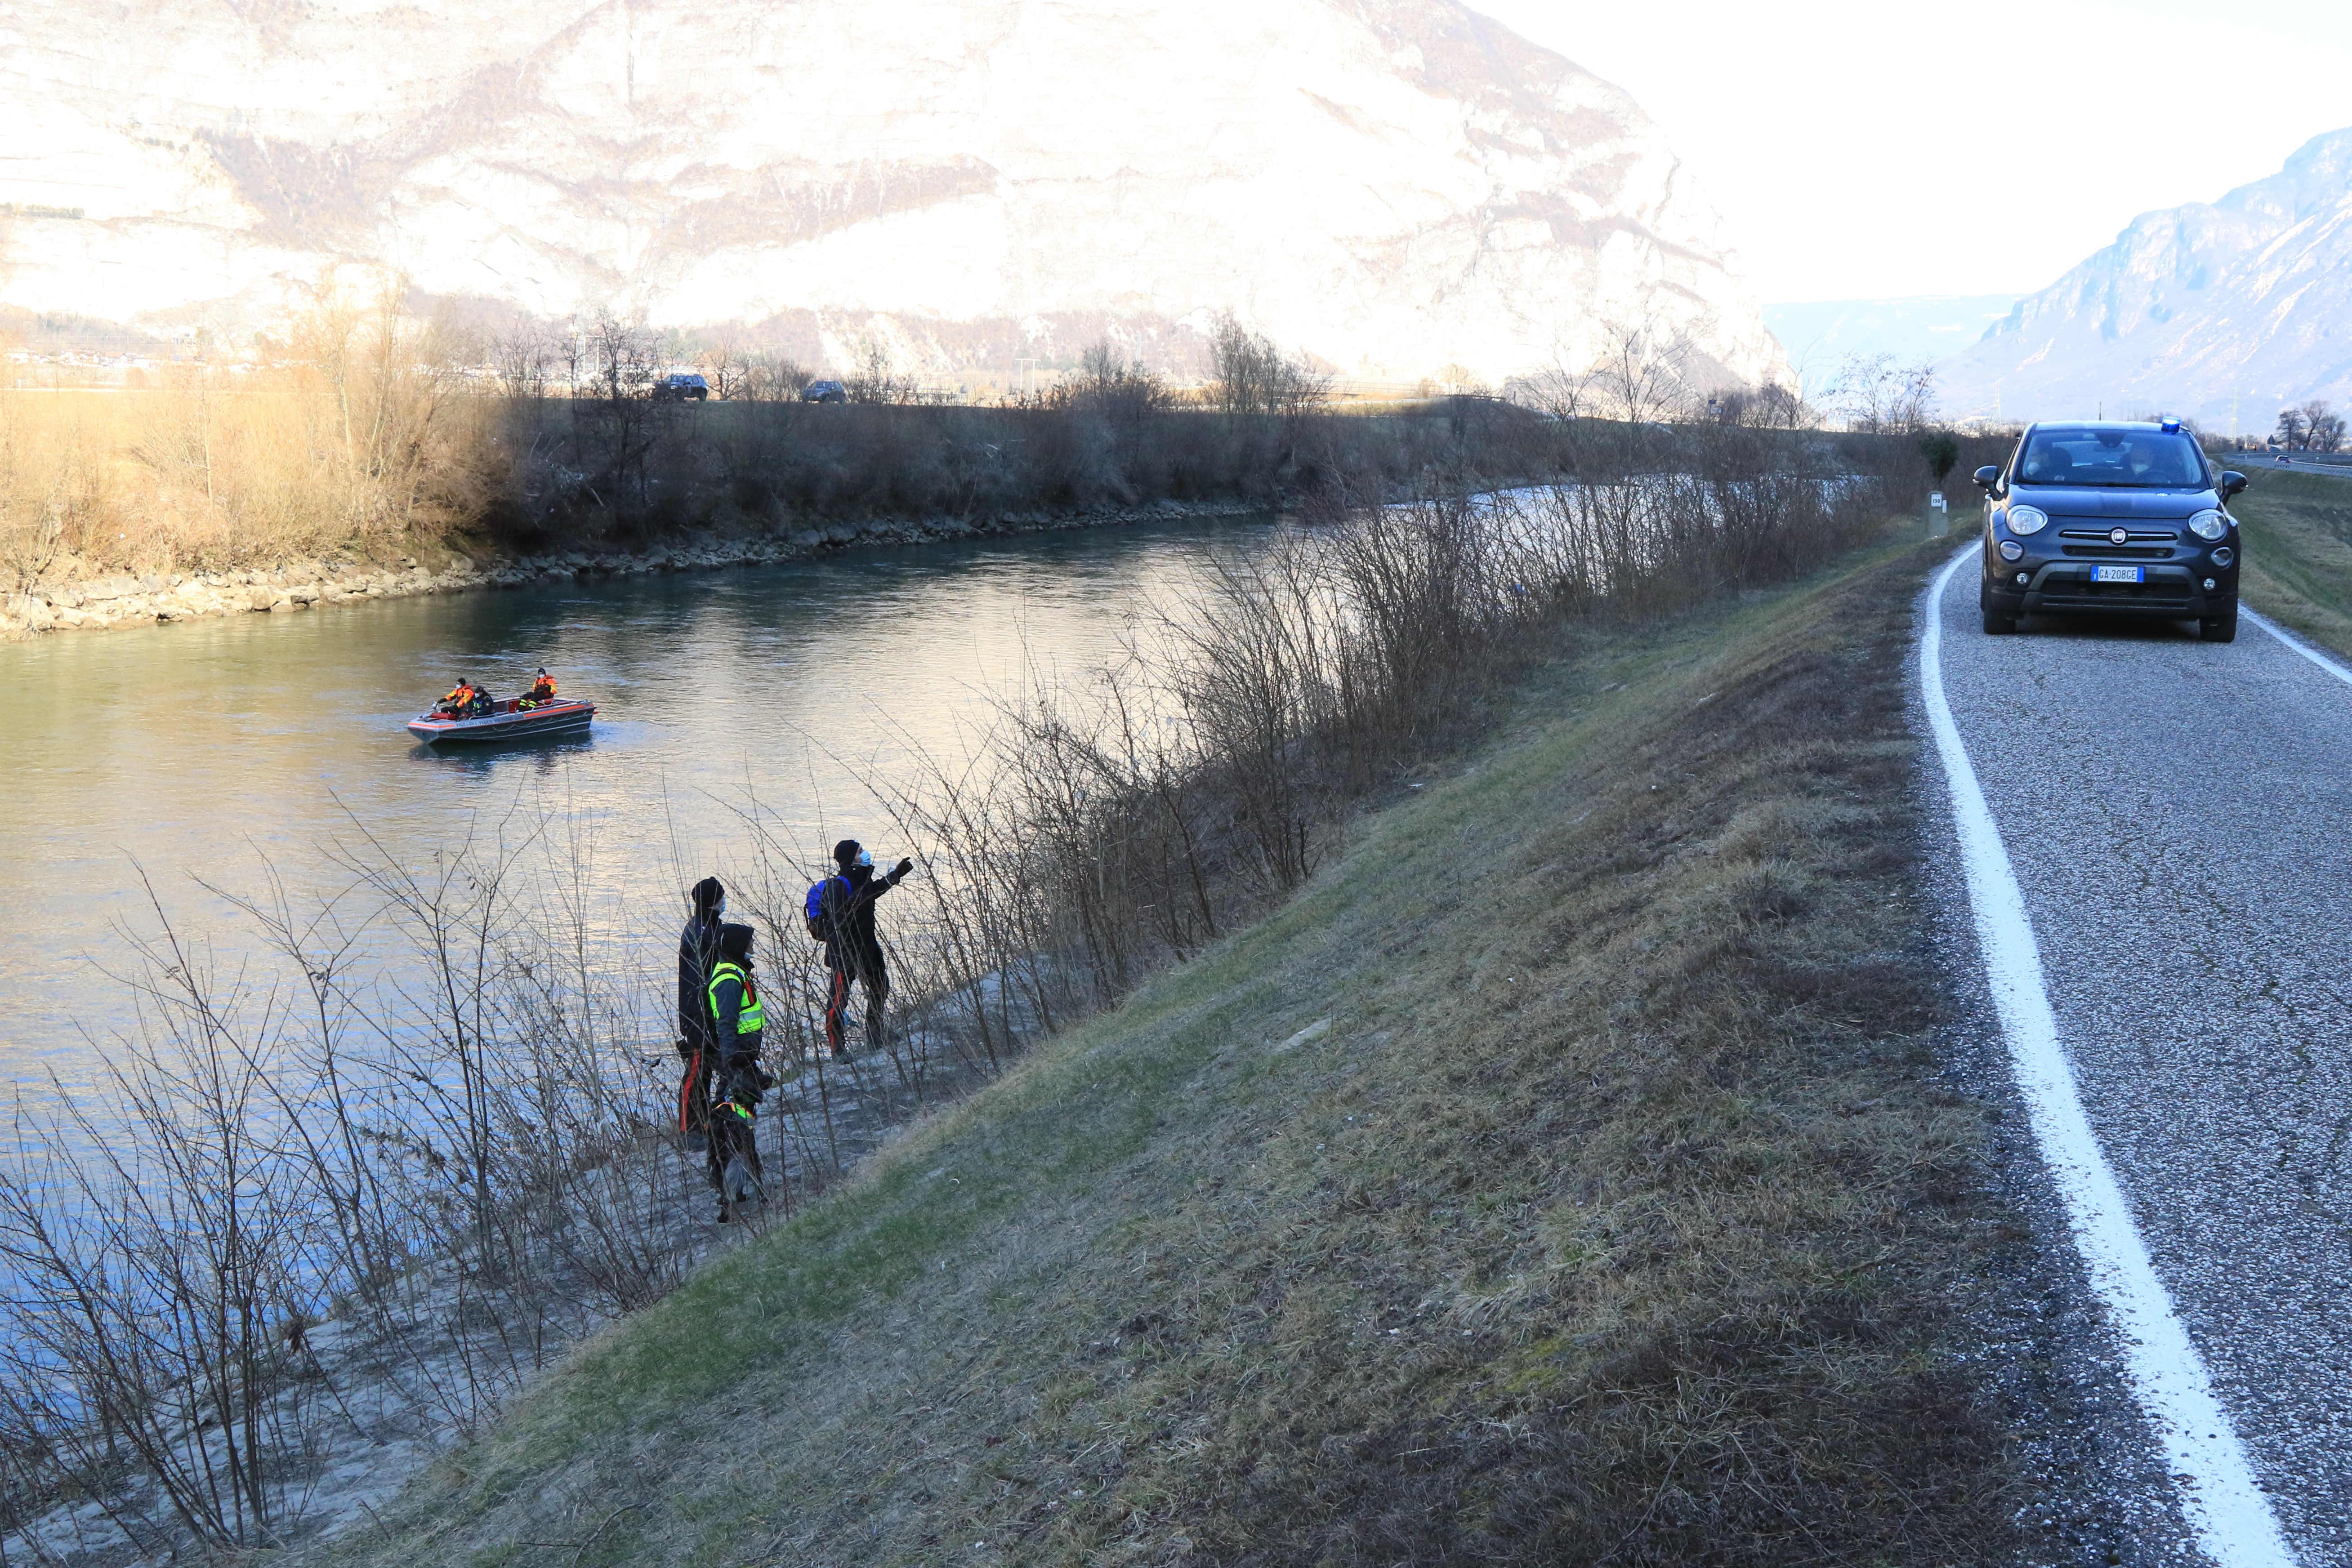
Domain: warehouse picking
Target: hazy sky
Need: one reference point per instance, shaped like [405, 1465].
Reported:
[1846, 142]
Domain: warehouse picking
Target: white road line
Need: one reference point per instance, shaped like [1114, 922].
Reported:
[2297, 644]
[2209, 1465]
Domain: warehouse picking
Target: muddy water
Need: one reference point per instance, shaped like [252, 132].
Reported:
[189, 759]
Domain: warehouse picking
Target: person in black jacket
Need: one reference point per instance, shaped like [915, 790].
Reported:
[698, 950]
[852, 949]
[737, 1018]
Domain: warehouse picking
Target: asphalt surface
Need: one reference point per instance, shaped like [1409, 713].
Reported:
[2180, 818]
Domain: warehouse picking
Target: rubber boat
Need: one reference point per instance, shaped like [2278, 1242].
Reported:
[506, 722]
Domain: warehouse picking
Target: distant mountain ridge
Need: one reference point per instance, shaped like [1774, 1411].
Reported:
[1393, 185]
[2219, 310]
[1819, 335]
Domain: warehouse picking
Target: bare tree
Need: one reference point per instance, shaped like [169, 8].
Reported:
[771, 376]
[2323, 427]
[521, 359]
[1642, 376]
[725, 366]
[1121, 389]
[1252, 376]
[873, 377]
[615, 420]
[2292, 428]
[1771, 406]
[1874, 392]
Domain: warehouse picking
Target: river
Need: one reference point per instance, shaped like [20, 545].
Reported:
[203, 752]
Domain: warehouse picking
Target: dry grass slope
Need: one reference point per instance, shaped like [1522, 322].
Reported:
[1562, 1176]
[2298, 534]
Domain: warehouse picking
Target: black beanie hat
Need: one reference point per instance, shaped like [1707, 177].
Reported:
[734, 941]
[846, 852]
[706, 895]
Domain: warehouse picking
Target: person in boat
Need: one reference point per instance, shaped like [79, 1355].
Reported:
[543, 690]
[853, 951]
[731, 1159]
[458, 700]
[481, 705]
[698, 951]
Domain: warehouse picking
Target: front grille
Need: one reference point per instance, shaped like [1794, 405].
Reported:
[2092, 595]
[2139, 544]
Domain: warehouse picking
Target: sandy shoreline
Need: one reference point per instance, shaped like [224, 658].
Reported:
[117, 600]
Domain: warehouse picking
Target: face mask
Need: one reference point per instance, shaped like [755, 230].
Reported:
[719, 909]
[866, 860]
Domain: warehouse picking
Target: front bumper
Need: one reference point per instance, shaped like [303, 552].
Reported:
[2175, 591]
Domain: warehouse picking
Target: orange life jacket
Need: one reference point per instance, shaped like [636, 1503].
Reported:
[543, 688]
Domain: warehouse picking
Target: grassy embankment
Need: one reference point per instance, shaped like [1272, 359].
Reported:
[2298, 535]
[1562, 1175]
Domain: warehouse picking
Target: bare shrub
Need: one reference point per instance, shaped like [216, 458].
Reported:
[874, 376]
[451, 1166]
[1251, 376]
[351, 434]
[1877, 394]
[1099, 832]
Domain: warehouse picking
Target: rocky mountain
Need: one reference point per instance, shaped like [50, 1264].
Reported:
[1392, 185]
[2223, 311]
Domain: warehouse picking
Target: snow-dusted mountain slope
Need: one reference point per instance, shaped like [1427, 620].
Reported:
[1394, 185]
[2217, 311]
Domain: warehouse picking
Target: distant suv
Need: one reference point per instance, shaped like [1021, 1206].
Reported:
[681, 388]
[824, 392]
[2109, 518]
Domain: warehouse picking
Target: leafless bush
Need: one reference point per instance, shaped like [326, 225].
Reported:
[1876, 394]
[1252, 377]
[451, 1166]
[352, 432]
[873, 375]
[1116, 389]
[1096, 832]
[770, 375]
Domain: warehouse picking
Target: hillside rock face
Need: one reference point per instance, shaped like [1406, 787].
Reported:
[1392, 185]
[2232, 308]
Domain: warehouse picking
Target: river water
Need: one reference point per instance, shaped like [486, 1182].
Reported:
[203, 752]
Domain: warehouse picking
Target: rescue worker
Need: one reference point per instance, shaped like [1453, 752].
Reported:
[698, 950]
[543, 690]
[737, 1019]
[460, 697]
[852, 950]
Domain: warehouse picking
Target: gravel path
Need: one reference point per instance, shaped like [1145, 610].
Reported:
[2179, 818]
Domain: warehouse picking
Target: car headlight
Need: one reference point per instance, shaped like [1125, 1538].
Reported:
[2209, 526]
[2025, 520]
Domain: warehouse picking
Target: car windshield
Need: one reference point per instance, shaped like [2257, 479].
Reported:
[2088, 454]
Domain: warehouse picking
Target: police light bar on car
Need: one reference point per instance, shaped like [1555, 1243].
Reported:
[2170, 426]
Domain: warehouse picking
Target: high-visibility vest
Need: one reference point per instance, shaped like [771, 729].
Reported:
[751, 1018]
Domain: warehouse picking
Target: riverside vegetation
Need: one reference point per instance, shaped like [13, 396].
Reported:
[370, 454]
[1638, 1234]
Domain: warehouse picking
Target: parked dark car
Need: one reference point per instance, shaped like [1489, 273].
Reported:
[2111, 518]
[824, 392]
[681, 389]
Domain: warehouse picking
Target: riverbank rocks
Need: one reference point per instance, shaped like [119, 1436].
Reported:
[104, 602]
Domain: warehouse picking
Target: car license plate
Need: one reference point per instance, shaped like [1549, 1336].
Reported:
[2119, 574]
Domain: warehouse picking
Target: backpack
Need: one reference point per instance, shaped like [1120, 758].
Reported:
[813, 906]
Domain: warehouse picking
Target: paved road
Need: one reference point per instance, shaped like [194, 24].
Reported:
[2180, 818]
